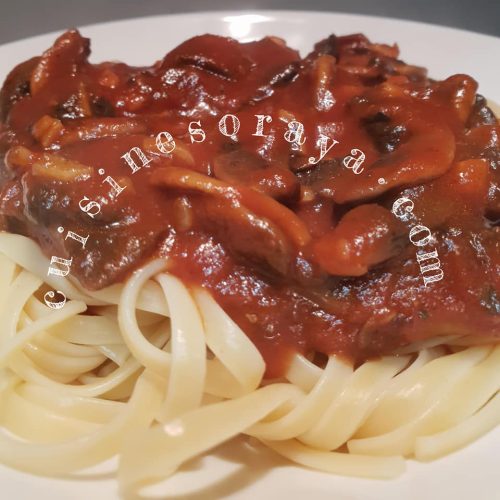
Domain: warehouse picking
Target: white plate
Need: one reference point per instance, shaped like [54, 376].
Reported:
[238, 473]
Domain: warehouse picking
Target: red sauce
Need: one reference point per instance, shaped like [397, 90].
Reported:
[304, 256]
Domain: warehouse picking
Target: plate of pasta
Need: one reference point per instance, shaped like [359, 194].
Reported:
[250, 254]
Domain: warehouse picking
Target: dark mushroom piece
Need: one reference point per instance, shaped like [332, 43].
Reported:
[243, 168]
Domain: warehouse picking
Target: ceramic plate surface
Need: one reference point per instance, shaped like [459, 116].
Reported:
[236, 470]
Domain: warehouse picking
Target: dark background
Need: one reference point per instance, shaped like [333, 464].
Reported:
[23, 18]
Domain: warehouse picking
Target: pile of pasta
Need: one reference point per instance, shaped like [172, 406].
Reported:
[156, 373]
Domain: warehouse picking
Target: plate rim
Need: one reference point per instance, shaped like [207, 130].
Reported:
[114, 24]
[263, 12]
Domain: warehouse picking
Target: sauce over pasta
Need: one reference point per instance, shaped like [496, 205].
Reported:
[305, 256]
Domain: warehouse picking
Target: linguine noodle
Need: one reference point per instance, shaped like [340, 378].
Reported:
[155, 372]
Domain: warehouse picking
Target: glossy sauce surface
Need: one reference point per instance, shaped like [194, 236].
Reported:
[304, 256]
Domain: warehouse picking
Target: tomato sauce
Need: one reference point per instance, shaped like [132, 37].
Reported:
[305, 255]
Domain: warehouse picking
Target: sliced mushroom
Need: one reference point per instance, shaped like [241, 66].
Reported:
[60, 61]
[97, 128]
[427, 154]
[367, 235]
[16, 86]
[460, 91]
[243, 168]
[257, 203]
[249, 223]
[386, 135]
[255, 238]
[481, 114]
[48, 165]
